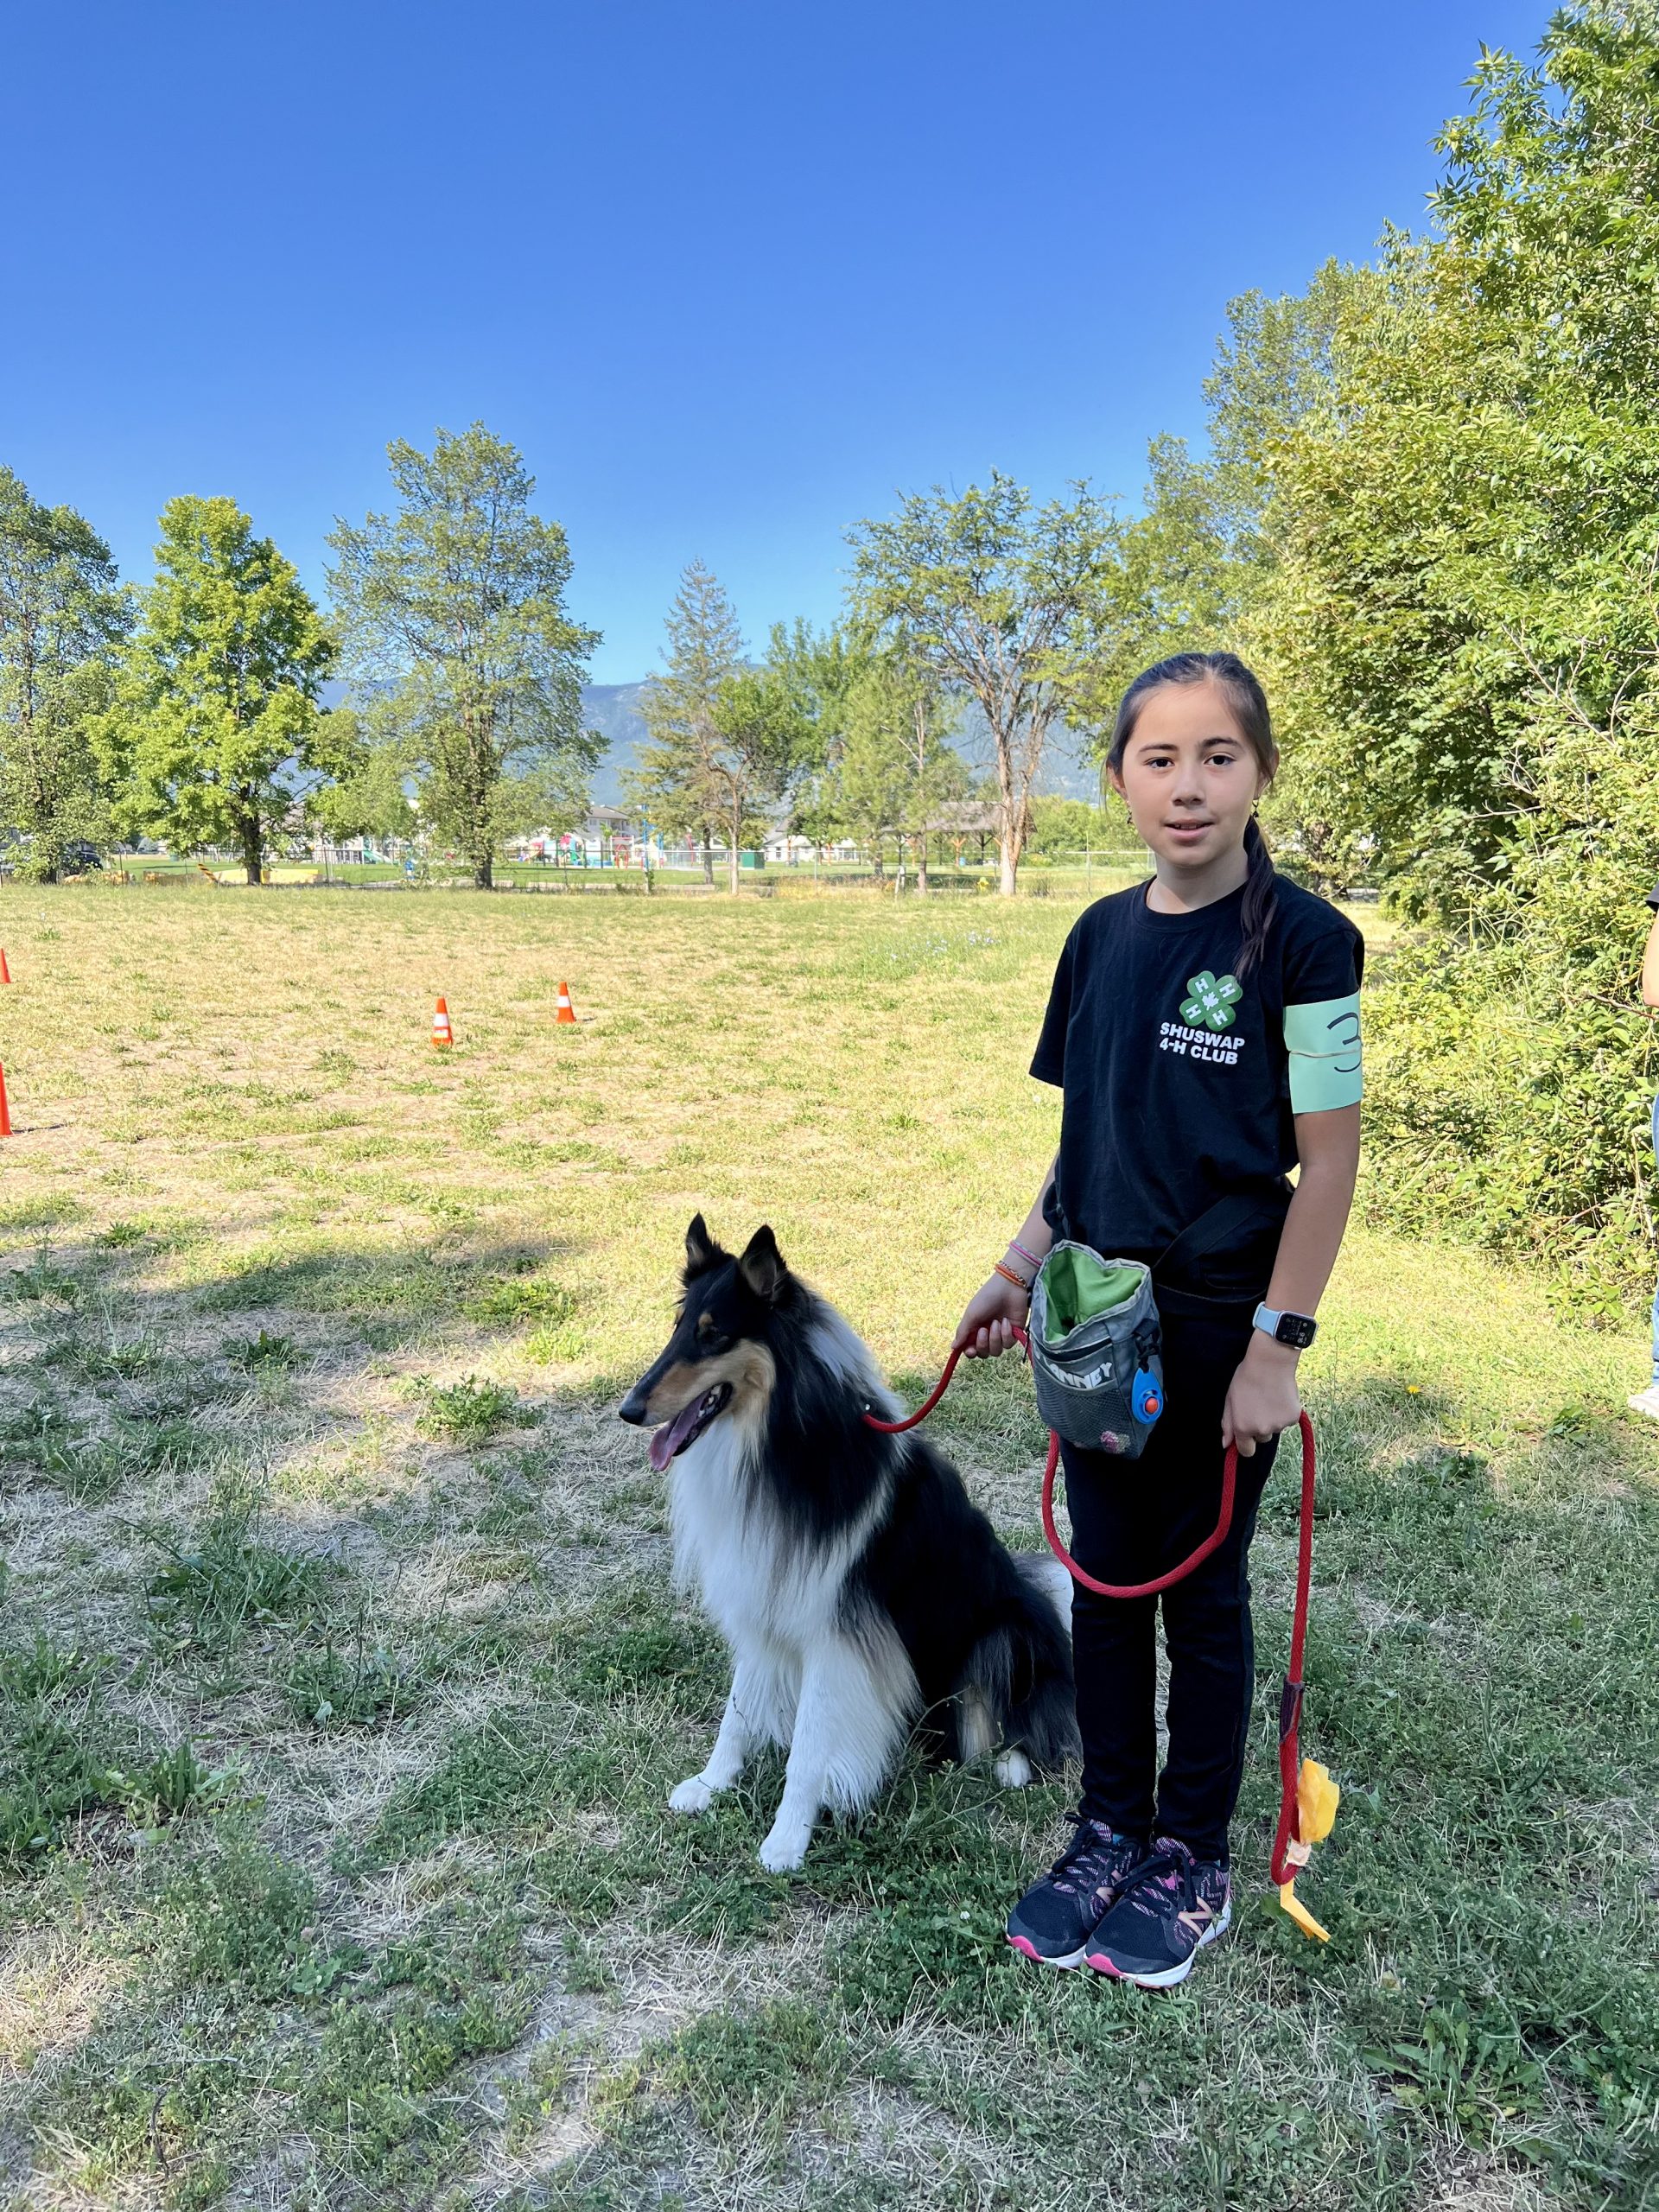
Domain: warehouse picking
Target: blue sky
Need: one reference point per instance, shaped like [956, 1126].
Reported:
[730, 275]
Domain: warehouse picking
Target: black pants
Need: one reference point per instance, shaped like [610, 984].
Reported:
[1132, 1519]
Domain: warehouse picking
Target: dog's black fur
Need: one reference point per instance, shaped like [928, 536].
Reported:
[807, 1488]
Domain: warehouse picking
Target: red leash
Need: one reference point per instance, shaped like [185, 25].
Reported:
[1290, 1701]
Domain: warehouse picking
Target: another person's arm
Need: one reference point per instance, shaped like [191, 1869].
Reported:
[1651, 966]
[1000, 1306]
[1263, 1398]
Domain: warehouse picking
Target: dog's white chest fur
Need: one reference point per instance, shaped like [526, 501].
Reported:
[763, 1583]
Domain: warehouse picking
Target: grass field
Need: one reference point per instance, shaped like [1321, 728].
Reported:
[342, 1684]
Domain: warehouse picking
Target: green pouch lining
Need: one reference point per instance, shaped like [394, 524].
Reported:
[1079, 1289]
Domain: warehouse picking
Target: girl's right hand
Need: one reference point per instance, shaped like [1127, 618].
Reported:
[993, 1313]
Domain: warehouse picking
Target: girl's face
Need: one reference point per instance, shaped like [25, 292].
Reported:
[1189, 776]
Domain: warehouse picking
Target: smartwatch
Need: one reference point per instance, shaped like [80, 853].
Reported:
[1296, 1328]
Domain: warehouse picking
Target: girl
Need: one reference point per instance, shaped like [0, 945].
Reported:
[1203, 1030]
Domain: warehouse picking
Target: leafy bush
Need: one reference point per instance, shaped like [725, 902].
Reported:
[1511, 1066]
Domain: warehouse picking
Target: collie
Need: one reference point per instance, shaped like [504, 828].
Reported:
[863, 1595]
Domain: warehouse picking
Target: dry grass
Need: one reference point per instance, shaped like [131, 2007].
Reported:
[306, 1358]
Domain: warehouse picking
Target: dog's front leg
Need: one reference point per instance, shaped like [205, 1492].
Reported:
[847, 1731]
[736, 1739]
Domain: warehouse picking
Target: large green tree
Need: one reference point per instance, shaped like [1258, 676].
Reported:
[453, 605]
[1004, 603]
[756, 748]
[1171, 583]
[370, 798]
[1466, 522]
[677, 779]
[218, 726]
[62, 617]
[894, 767]
[1460, 631]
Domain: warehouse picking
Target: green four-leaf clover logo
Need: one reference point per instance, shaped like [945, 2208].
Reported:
[1212, 1002]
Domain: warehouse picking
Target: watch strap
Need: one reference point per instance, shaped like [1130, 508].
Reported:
[1271, 1320]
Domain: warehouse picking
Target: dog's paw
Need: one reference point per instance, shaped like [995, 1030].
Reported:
[694, 1795]
[785, 1848]
[1013, 1769]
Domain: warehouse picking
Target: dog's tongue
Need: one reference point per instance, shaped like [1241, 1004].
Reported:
[666, 1441]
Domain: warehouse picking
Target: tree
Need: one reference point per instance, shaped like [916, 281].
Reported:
[894, 770]
[1191, 571]
[1002, 603]
[456, 604]
[678, 780]
[1477, 494]
[370, 798]
[219, 710]
[753, 750]
[1462, 625]
[1171, 586]
[1061, 828]
[62, 617]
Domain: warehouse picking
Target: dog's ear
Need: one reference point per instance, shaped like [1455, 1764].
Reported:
[762, 1265]
[701, 1252]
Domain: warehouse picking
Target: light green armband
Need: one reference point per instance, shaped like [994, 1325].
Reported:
[1323, 1042]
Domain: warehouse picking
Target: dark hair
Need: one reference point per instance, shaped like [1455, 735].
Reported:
[1243, 693]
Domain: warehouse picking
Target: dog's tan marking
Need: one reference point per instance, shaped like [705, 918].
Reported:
[749, 1368]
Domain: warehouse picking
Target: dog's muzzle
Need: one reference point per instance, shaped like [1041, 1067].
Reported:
[674, 1436]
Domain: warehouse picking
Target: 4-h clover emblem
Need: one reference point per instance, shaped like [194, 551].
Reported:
[1212, 1002]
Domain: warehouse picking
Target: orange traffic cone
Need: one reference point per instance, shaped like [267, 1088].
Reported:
[5, 972]
[566, 1012]
[5, 1116]
[442, 1032]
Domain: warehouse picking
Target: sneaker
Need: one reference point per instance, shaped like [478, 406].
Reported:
[1171, 1906]
[1646, 1401]
[1055, 1918]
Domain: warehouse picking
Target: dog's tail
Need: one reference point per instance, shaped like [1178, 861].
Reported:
[1022, 1668]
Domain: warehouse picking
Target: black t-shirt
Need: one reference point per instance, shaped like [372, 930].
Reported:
[1176, 1074]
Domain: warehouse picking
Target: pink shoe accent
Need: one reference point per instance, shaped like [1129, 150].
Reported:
[1101, 1964]
[1024, 1943]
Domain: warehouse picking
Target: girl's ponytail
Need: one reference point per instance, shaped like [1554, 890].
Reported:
[1249, 704]
[1261, 897]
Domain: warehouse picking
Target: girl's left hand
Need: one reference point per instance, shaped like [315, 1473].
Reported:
[1262, 1398]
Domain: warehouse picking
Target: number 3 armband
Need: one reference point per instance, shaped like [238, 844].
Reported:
[1323, 1044]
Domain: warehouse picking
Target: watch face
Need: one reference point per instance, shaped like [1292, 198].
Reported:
[1297, 1328]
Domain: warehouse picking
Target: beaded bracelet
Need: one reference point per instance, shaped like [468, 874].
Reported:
[1008, 1276]
[1015, 1246]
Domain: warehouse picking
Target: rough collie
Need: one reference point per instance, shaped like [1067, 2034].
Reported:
[862, 1595]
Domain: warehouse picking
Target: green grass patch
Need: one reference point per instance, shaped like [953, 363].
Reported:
[470, 1411]
[230, 1579]
[65, 1757]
